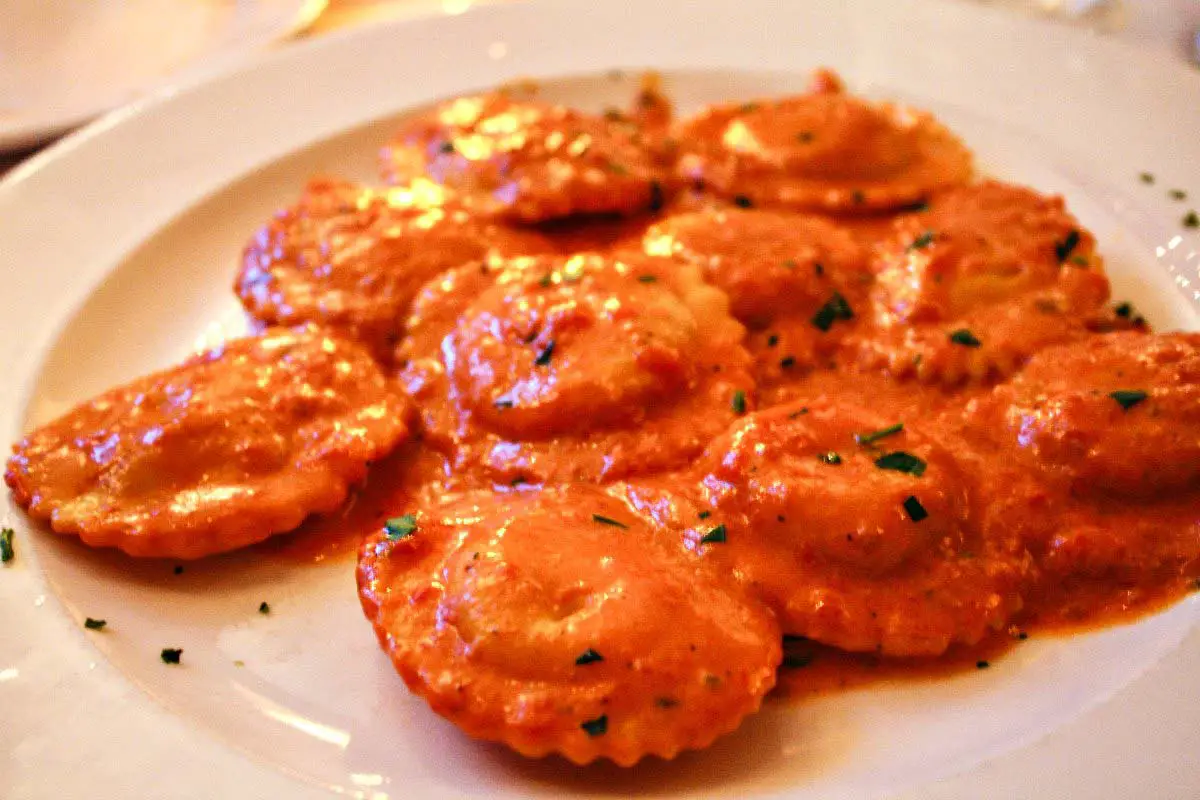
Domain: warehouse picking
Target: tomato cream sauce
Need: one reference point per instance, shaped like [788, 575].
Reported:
[634, 421]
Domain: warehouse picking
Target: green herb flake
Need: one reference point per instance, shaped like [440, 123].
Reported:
[617, 169]
[715, 536]
[922, 241]
[1067, 246]
[239, 663]
[647, 278]
[787, 362]
[790, 263]
[666, 702]
[857, 197]
[804, 137]
[1177, 194]
[658, 197]
[400, 527]
[742, 201]
[603, 520]
[831, 457]
[595, 727]
[704, 514]
[543, 358]
[1124, 310]
[588, 656]
[982, 664]
[178, 569]
[1128, 398]
[503, 403]
[965, 338]
[264, 607]
[901, 461]
[875, 436]
[1079, 261]
[835, 309]
[1147, 177]
[798, 652]
[447, 148]
[916, 511]
[171, 655]
[546, 280]
[6, 545]
[919, 207]
[1191, 220]
[772, 340]
[94, 624]
[739, 402]
[748, 108]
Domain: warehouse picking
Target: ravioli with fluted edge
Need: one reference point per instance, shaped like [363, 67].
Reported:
[588, 367]
[559, 621]
[231, 446]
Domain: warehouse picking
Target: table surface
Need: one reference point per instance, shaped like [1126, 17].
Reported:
[1170, 25]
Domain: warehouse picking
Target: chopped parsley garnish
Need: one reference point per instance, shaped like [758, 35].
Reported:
[1128, 398]
[918, 207]
[546, 280]
[503, 403]
[1191, 220]
[804, 137]
[748, 108]
[741, 201]
[965, 338]
[657, 197]
[603, 520]
[447, 148]
[1124, 310]
[1079, 261]
[901, 461]
[647, 278]
[858, 197]
[588, 656]
[830, 458]
[666, 702]
[171, 655]
[1067, 246]
[6, 545]
[922, 241]
[1147, 177]
[401, 527]
[704, 514]
[715, 536]
[875, 436]
[178, 569]
[787, 362]
[982, 664]
[798, 652]
[772, 340]
[596, 727]
[800, 413]
[1177, 194]
[265, 608]
[94, 624]
[835, 309]
[819, 268]
[916, 511]
[790, 263]
[739, 402]
[617, 169]
[543, 358]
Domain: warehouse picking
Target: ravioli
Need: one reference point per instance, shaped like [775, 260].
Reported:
[558, 621]
[821, 151]
[585, 368]
[529, 161]
[351, 258]
[233, 445]
[967, 290]
[855, 529]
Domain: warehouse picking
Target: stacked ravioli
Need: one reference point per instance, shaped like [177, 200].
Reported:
[782, 369]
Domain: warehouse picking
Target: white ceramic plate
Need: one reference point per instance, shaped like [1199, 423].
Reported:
[65, 61]
[119, 246]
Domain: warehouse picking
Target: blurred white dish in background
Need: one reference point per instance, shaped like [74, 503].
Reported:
[65, 61]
